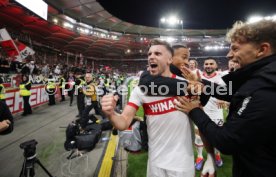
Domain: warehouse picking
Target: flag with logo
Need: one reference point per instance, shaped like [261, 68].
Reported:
[14, 49]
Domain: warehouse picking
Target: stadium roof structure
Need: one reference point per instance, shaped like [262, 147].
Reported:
[85, 27]
[92, 13]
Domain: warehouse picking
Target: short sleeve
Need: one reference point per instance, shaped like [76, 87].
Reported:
[135, 99]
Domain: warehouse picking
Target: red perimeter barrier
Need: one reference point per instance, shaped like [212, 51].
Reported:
[39, 97]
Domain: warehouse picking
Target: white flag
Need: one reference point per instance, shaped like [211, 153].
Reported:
[14, 49]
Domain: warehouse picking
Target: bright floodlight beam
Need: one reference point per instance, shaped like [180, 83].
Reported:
[55, 20]
[172, 20]
[270, 17]
[254, 19]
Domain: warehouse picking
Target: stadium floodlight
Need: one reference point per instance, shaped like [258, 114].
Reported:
[55, 20]
[68, 25]
[171, 21]
[71, 20]
[254, 19]
[168, 39]
[83, 30]
[270, 18]
[215, 47]
[163, 20]
[86, 31]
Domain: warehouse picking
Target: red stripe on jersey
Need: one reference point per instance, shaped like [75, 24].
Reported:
[159, 107]
[129, 128]
[174, 76]
[133, 105]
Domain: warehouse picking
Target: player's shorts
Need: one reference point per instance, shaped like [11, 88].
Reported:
[217, 117]
[219, 122]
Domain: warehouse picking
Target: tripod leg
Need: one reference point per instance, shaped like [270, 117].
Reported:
[28, 173]
[69, 157]
[78, 153]
[40, 164]
[27, 169]
[22, 172]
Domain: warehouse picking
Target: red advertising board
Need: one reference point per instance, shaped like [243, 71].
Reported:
[38, 97]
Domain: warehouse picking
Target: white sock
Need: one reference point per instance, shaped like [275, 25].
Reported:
[199, 146]
[209, 165]
[199, 151]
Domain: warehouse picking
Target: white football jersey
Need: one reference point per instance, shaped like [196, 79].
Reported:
[223, 73]
[169, 132]
[211, 108]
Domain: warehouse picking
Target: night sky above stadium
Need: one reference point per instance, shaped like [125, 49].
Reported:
[196, 14]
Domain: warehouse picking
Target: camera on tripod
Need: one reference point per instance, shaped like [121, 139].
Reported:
[29, 148]
[30, 160]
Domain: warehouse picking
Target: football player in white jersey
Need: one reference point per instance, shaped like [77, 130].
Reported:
[170, 142]
[213, 108]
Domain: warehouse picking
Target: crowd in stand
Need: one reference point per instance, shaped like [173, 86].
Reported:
[38, 70]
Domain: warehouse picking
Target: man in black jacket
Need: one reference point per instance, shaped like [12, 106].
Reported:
[80, 83]
[248, 132]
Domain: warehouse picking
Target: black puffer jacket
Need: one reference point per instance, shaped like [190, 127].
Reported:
[249, 132]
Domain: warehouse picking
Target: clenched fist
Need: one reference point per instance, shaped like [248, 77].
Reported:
[108, 104]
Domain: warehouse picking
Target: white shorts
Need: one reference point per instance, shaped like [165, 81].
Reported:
[216, 117]
[219, 122]
[153, 171]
